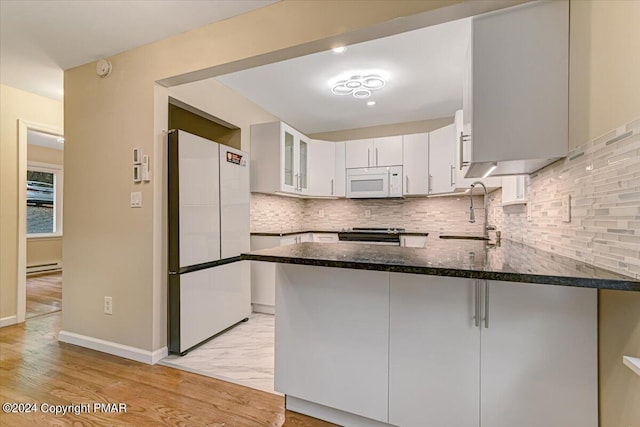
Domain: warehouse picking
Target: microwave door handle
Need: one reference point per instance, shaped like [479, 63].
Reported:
[368, 157]
[376, 156]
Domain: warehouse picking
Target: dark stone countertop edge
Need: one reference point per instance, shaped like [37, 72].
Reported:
[583, 282]
[290, 233]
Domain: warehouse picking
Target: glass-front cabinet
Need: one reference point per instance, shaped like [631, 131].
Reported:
[294, 160]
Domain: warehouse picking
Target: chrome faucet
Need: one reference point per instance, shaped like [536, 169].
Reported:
[472, 215]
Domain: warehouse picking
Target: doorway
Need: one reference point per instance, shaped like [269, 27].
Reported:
[41, 183]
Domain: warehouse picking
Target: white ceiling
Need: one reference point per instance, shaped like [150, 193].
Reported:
[40, 39]
[424, 70]
[44, 140]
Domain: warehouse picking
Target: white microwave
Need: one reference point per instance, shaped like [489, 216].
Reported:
[366, 183]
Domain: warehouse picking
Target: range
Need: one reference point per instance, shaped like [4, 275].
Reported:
[377, 236]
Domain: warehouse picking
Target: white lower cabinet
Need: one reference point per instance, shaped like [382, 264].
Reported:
[539, 357]
[434, 352]
[531, 361]
[413, 241]
[332, 339]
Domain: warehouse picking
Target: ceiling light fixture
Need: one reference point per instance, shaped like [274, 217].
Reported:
[339, 49]
[358, 86]
[371, 103]
[60, 140]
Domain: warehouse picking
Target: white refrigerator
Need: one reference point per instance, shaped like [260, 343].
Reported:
[208, 221]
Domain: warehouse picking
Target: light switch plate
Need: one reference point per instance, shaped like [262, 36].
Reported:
[529, 209]
[136, 199]
[367, 214]
[566, 208]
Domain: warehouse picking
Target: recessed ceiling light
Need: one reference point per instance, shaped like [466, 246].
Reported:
[371, 103]
[60, 140]
[339, 49]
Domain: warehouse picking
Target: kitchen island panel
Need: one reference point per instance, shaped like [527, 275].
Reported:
[332, 338]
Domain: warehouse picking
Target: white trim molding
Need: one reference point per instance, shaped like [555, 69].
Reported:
[21, 291]
[120, 350]
[9, 320]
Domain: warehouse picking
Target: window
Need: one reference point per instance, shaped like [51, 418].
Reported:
[44, 200]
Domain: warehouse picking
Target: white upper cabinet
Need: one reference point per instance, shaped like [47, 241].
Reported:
[340, 184]
[358, 153]
[415, 164]
[364, 153]
[322, 176]
[463, 148]
[279, 160]
[514, 189]
[442, 152]
[388, 151]
[517, 99]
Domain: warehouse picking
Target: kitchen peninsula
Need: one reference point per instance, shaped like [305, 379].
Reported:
[460, 333]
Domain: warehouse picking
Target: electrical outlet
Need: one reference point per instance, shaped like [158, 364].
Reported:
[321, 213]
[529, 209]
[108, 305]
[367, 214]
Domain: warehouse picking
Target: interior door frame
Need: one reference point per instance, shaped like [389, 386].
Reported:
[21, 292]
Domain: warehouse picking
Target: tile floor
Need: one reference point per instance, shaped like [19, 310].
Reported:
[243, 355]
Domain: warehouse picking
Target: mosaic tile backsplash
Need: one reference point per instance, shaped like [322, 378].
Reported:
[435, 215]
[602, 178]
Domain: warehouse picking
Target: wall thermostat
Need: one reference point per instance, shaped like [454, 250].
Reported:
[103, 68]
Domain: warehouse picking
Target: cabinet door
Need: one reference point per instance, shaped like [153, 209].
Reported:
[359, 153]
[415, 164]
[433, 352]
[302, 163]
[413, 241]
[305, 237]
[322, 168]
[539, 356]
[340, 184]
[387, 151]
[288, 152]
[332, 344]
[513, 189]
[520, 82]
[325, 237]
[263, 276]
[442, 151]
[289, 240]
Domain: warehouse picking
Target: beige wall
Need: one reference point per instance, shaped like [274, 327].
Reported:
[49, 249]
[604, 93]
[406, 128]
[604, 86]
[16, 104]
[113, 250]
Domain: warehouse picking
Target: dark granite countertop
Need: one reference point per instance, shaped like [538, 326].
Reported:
[511, 261]
[290, 233]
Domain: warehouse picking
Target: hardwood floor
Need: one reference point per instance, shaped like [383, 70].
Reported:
[44, 294]
[36, 368]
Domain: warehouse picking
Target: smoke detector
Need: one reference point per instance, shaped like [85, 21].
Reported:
[103, 68]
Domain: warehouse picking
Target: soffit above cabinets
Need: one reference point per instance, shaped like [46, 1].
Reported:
[424, 70]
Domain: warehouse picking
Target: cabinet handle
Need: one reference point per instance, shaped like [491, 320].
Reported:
[376, 156]
[429, 184]
[462, 139]
[332, 187]
[476, 317]
[453, 181]
[368, 156]
[406, 179]
[486, 304]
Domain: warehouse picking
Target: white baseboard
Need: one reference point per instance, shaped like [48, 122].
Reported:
[262, 308]
[9, 320]
[41, 268]
[120, 350]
